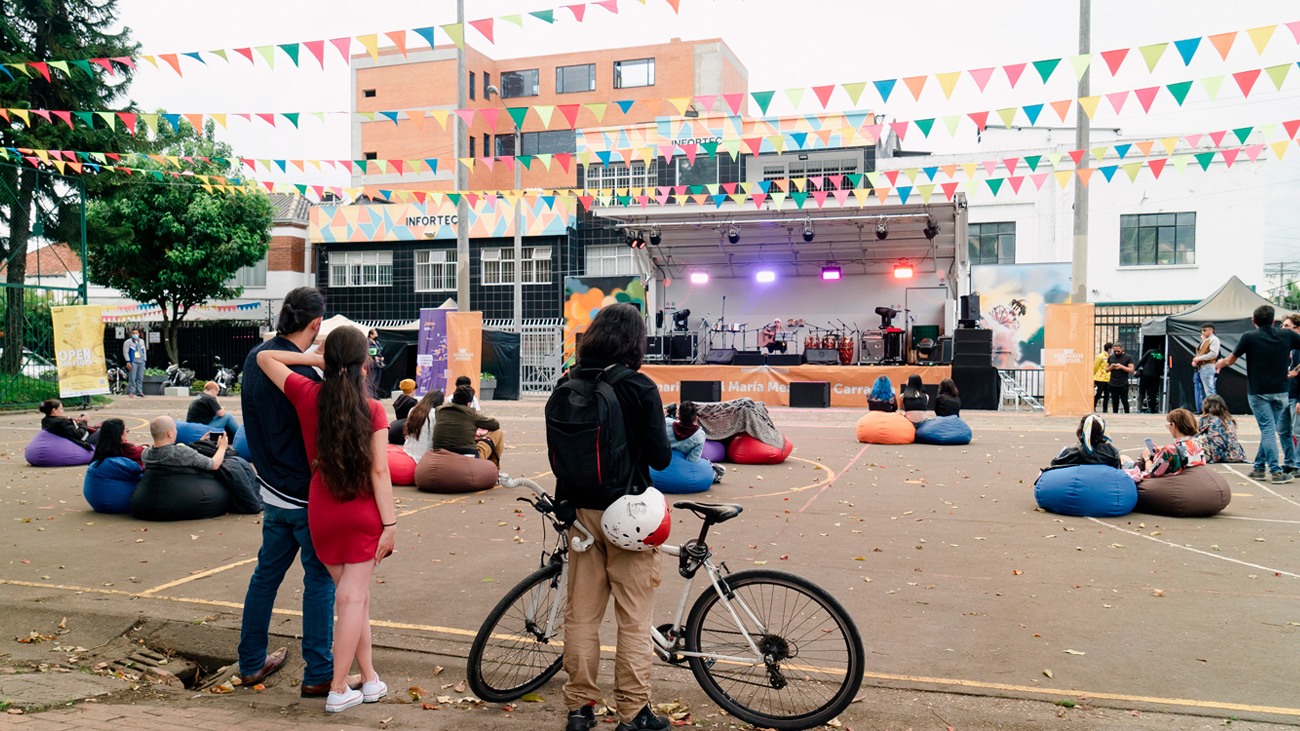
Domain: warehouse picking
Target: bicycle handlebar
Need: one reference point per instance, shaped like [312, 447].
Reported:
[548, 506]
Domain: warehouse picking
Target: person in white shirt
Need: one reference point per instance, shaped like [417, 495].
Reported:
[1205, 377]
[418, 431]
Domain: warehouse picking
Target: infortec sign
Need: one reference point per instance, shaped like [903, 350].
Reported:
[489, 218]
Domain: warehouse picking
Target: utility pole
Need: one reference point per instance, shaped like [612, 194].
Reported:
[462, 173]
[518, 312]
[1082, 129]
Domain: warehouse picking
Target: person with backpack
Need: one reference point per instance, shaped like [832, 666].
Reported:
[604, 431]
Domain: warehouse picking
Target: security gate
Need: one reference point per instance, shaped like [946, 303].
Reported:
[540, 359]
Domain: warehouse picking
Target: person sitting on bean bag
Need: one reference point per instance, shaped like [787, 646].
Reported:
[882, 396]
[165, 450]
[403, 404]
[1174, 458]
[456, 429]
[1216, 432]
[418, 430]
[74, 430]
[947, 402]
[685, 434]
[112, 442]
[1095, 449]
[206, 409]
[913, 400]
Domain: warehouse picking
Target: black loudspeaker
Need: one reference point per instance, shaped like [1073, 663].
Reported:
[970, 307]
[972, 335]
[784, 359]
[681, 347]
[748, 358]
[710, 391]
[720, 356]
[810, 394]
[979, 386]
[821, 356]
[972, 360]
[945, 350]
[654, 346]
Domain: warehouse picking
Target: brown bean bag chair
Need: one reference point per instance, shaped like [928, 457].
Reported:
[401, 468]
[884, 427]
[447, 472]
[1196, 492]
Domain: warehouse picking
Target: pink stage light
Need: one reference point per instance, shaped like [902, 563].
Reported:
[765, 276]
[699, 277]
[831, 274]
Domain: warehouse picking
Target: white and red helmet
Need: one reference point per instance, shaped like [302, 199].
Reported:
[638, 522]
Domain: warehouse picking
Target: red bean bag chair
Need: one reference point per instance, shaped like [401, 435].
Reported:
[745, 449]
[885, 427]
[401, 468]
[447, 472]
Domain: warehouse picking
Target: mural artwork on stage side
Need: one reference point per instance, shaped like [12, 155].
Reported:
[1012, 301]
[583, 298]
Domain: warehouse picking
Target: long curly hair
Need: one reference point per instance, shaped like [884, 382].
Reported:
[344, 433]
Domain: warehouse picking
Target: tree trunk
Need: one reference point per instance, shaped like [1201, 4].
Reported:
[169, 333]
[16, 256]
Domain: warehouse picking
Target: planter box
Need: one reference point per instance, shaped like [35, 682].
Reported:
[153, 385]
[177, 391]
[486, 389]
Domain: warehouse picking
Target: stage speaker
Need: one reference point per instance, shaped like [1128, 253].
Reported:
[748, 358]
[972, 360]
[970, 307]
[972, 335]
[945, 350]
[654, 346]
[681, 347]
[873, 348]
[979, 386]
[720, 356]
[783, 359]
[710, 391]
[810, 394]
[821, 356]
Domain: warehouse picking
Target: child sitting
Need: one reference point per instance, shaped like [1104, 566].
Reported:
[1094, 449]
[685, 434]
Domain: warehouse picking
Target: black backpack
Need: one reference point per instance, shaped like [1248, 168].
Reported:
[586, 438]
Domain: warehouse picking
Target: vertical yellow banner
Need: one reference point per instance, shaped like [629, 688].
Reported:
[464, 343]
[1067, 357]
[79, 350]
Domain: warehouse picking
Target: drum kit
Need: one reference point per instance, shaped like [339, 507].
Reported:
[832, 340]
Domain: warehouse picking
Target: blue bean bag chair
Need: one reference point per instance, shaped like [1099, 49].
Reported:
[166, 493]
[683, 476]
[51, 450]
[714, 451]
[187, 432]
[1090, 491]
[943, 430]
[241, 444]
[109, 484]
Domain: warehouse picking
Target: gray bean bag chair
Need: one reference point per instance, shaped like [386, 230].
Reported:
[1196, 492]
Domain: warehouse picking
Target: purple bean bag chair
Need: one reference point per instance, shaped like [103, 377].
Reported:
[714, 451]
[50, 450]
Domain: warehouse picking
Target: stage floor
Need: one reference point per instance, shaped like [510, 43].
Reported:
[771, 384]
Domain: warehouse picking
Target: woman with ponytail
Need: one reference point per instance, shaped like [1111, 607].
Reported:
[350, 507]
[1093, 447]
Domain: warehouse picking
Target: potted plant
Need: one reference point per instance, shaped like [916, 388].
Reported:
[487, 385]
[154, 380]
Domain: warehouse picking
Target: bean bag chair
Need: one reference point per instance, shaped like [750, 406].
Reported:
[885, 427]
[943, 430]
[683, 476]
[1196, 492]
[241, 444]
[167, 493]
[187, 432]
[395, 429]
[51, 450]
[745, 449]
[447, 472]
[401, 468]
[109, 484]
[714, 451]
[1090, 491]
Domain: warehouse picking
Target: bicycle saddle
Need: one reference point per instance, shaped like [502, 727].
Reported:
[712, 512]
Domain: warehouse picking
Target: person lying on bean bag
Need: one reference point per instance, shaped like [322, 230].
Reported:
[1173, 458]
[112, 442]
[74, 430]
[456, 429]
[1095, 449]
[113, 473]
[725, 419]
[237, 475]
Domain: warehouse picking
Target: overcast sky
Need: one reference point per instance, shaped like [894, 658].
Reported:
[782, 44]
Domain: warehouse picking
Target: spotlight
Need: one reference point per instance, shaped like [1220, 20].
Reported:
[699, 277]
[903, 270]
[635, 240]
[680, 319]
[733, 233]
[931, 229]
[765, 276]
[655, 238]
[831, 272]
[808, 230]
[882, 230]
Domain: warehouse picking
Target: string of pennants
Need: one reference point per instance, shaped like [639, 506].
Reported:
[134, 312]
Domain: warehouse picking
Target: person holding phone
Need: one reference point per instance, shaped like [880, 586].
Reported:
[165, 450]
[1183, 453]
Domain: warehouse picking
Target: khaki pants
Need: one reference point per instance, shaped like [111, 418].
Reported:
[491, 448]
[595, 574]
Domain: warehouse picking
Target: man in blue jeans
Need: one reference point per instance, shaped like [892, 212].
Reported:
[1267, 350]
[276, 442]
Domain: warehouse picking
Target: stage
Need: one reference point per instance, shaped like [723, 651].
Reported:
[771, 384]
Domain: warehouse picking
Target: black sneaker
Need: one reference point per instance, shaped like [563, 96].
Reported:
[583, 719]
[646, 720]
[1257, 474]
[1280, 478]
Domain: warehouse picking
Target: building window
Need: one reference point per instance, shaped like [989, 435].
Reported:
[505, 146]
[471, 85]
[499, 265]
[1151, 239]
[435, 270]
[361, 268]
[610, 261]
[630, 74]
[471, 146]
[250, 276]
[487, 81]
[518, 83]
[487, 144]
[622, 175]
[704, 171]
[372, 155]
[992, 243]
[549, 143]
[575, 79]
[368, 93]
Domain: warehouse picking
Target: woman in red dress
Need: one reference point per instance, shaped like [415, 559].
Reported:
[350, 507]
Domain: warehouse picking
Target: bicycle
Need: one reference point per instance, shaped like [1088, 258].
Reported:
[788, 672]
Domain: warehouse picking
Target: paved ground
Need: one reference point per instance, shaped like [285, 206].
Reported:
[977, 610]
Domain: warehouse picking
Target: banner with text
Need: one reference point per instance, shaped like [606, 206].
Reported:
[489, 218]
[79, 350]
[771, 384]
[464, 348]
[1068, 353]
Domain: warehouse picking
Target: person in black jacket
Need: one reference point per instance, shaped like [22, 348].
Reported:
[948, 401]
[615, 336]
[1150, 368]
[1095, 449]
[58, 424]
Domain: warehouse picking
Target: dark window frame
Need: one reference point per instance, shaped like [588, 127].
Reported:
[560, 75]
[471, 85]
[618, 73]
[1157, 239]
[368, 93]
[508, 83]
[997, 233]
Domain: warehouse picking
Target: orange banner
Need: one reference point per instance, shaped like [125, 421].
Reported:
[1067, 357]
[464, 341]
[771, 384]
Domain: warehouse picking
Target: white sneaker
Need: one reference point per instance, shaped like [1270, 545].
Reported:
[342, 701]
[373, 691]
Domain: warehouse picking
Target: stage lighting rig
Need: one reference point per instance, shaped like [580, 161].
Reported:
[882, 230]
[931, 229]
[655, 237]
[808, 232]
[680, 319]
[887, 315]
[635, 240]
[831, 272]
[903, 270]
[733, 234]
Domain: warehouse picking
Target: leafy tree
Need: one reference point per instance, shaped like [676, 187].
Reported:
[168, 240]
[44, 30]
[1290, 297]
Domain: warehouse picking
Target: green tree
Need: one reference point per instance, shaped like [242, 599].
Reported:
[44, 30]
[168, 241]
[1291, 297]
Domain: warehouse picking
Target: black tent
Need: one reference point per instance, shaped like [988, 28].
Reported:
[500, 357]
[1229, 309]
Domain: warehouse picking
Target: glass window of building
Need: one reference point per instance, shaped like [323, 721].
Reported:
[574, 79]
[518, 83]
[435, 270]
[250, 276]
[704, 171]
[609, 261]
[361, 268]
[1157, 239]
[549, 143]
[631, 74]
[992, 243]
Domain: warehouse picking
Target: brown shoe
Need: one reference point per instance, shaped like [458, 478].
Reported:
[274, 662]
[321, 690]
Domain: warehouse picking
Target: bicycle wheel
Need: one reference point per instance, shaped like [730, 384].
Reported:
[816, 651]
[514, 652]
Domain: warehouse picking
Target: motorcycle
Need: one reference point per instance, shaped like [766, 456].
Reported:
[226, 377]
[179, 375]
[117, 378]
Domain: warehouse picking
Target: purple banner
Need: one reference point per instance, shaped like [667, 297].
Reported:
[431, 357]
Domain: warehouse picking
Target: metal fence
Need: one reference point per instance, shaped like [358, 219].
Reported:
[196, 344]
[1021, 386]
[540, 352]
